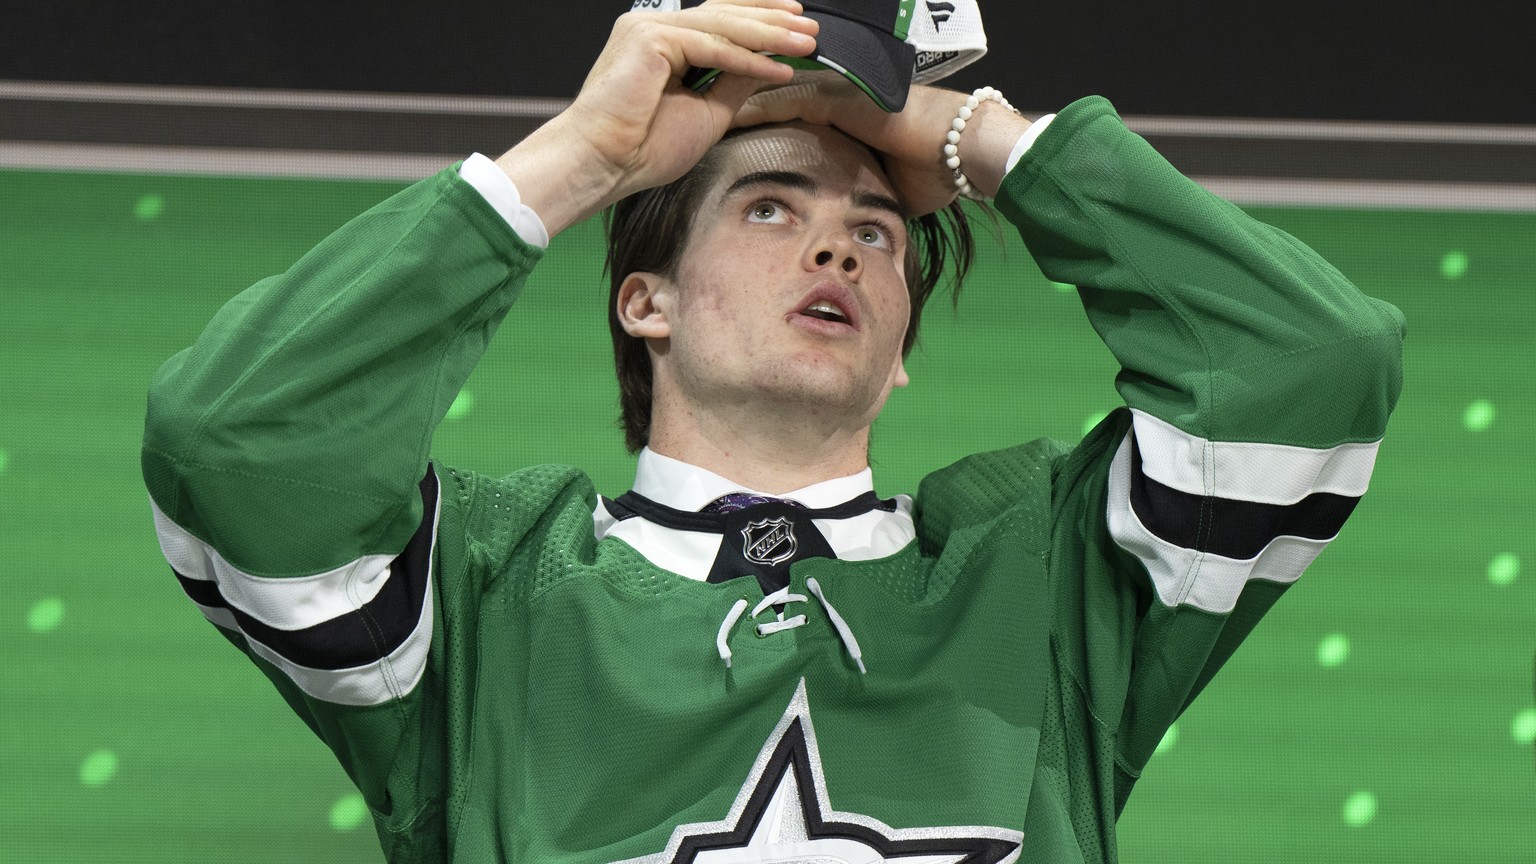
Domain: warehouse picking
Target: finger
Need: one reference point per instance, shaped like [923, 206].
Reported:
[790, 5]
[760, 29]
[726, 96]
[775, 30]
[687, 48]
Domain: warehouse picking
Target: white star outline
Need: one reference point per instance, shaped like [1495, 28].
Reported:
[770, 820]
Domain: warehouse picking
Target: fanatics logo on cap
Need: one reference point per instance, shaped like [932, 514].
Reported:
[768, 541]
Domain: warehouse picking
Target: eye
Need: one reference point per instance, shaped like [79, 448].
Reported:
[874, 235]
[768, 212]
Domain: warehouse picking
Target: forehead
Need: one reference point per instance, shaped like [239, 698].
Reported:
[838, 162]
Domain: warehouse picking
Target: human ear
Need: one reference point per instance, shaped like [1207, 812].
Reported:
[899, 374]
[642, 306]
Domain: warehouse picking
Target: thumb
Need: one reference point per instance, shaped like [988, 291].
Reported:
[726, 96]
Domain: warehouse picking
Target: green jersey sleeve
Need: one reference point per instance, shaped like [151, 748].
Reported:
[286, 457]
[1257, 382]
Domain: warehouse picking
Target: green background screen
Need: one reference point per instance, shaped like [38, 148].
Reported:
[1382, 712]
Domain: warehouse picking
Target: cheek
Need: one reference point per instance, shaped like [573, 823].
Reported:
[739, 285]
[897, 307]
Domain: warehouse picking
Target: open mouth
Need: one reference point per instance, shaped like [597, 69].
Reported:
[833, 307]
[825, 311]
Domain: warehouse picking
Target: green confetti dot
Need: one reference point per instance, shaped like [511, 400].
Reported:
[1333, 650]
[1523, 727]
[1359, 809]
[1478, 416]
[149, 207]
[1503, 569]
[461, 405]
[1170, 738]
[348, 812]
[45, 615]
[1093, 420]
[1453, 265]
[98, 768]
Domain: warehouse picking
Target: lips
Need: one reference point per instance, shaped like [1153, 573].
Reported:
[831, 304]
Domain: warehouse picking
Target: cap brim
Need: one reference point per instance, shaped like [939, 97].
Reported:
[879, 63]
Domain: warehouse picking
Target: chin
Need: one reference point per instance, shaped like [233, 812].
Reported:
[824, 394]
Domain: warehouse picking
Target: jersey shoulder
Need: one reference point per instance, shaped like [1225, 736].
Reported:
[487, 520]
[972, 493]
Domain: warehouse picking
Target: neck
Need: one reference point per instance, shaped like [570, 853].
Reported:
[771, 452]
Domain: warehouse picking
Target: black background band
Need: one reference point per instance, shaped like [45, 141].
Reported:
[1305, 59]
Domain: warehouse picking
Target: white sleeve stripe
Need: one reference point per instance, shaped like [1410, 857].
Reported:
[286, 603]
[375, 683]
[1187, 576]
[1246, 471]
[390, 677]
[219, 616]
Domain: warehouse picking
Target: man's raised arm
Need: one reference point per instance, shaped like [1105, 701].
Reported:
[1259, 382]
[285, 451]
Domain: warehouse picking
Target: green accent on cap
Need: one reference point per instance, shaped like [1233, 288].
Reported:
[98, 768]
[808, 63]
[1503, 569]
[1453, 265]
[149, 206]
[904, 19]
[348, 812]
[1360, 809]
[1333, 650]
[1170, 738]
[461, 405]
[1523, 728]
[45, 615]
[1478, 416]
[802, 63]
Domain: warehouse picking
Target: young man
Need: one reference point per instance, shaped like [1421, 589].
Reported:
[514, 669]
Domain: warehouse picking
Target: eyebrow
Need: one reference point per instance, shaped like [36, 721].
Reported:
[808, 184]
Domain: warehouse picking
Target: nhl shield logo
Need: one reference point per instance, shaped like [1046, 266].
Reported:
[768, 541]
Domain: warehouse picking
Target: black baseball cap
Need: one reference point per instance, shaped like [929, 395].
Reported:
[864, 40]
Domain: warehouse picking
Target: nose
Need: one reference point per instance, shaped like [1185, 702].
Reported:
[836, 249]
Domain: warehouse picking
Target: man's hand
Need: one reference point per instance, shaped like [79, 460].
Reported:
[634, 125]
[911, 141]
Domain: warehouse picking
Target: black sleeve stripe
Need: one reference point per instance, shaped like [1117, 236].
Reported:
[356, 638]
[204, 592]
[1232, 529]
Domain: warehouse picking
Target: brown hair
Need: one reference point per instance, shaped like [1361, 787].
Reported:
[649, 231]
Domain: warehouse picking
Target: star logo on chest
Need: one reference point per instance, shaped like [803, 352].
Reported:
[783, 815]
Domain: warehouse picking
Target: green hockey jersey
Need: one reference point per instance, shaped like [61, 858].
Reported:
[503, 686]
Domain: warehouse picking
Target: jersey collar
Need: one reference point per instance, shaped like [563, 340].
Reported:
[683, 486]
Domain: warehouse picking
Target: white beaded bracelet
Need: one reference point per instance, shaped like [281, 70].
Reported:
[952, 144]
